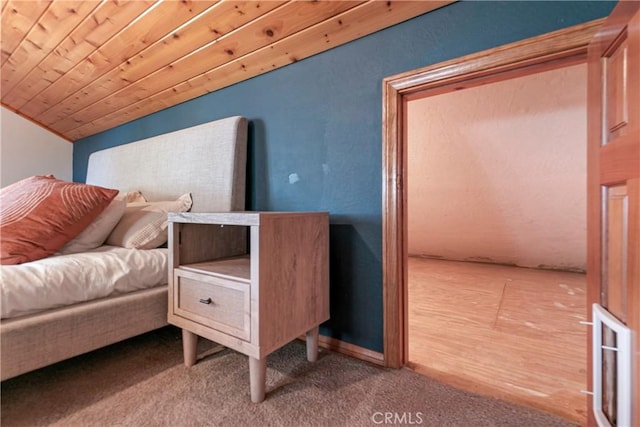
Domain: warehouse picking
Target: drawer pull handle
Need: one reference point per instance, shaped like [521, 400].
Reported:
[206, 301]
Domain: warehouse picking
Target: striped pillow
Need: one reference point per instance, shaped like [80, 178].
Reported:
[144, 225]
[38, 215]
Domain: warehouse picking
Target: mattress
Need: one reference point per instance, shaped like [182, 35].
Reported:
[62, 280]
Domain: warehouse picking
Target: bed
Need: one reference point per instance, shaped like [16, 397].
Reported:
[208, 162]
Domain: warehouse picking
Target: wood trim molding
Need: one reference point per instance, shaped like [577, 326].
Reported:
[352, 350]
[548, 51]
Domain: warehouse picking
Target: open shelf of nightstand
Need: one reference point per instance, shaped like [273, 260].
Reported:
[238, 268]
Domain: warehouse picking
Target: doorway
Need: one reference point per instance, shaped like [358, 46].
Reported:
[496, 207]
[550, 51]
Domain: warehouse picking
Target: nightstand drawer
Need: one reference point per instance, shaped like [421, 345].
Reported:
[215, 302]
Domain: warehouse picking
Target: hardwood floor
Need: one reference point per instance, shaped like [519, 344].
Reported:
[509, 332]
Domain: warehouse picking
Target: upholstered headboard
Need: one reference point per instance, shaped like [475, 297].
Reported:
[208, 160]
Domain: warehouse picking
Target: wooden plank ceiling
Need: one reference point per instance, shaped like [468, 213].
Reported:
[81, 67]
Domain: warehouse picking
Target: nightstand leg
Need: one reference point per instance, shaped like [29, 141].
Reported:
[189, 346]
[312, 344]
[257, 376]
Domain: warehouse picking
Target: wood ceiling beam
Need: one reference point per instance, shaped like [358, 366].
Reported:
[356, 22]
[97, 28]
[78, 67]
[18, 17]
[111, 96]
[51, 29]
[135, 37]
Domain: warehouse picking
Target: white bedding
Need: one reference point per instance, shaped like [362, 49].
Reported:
[66, 279]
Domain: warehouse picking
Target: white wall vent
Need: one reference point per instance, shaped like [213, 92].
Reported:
[611, 369]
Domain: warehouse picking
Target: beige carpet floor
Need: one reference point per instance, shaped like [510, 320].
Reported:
[142, 382]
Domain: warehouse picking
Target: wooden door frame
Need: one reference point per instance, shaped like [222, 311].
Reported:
[612, 160]
[548, 51]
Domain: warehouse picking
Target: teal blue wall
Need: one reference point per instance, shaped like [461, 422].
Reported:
[321, 119]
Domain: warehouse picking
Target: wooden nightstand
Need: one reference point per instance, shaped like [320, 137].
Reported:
[252, 298]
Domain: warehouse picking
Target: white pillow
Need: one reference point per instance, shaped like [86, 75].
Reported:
[144, 224]
[98, 230]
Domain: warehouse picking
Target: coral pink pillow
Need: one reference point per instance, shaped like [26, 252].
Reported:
[38, 215]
